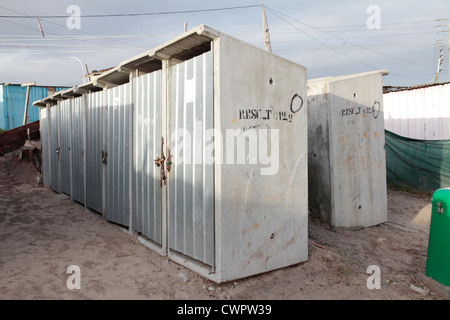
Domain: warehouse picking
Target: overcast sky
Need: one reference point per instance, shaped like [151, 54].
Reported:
[329, 38]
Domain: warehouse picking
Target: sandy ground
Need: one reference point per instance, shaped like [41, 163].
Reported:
[42, 233]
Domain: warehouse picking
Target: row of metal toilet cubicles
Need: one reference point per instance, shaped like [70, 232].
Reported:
[113, 144]
[95, 157]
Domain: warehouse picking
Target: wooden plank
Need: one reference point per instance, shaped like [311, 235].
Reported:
[15, 138]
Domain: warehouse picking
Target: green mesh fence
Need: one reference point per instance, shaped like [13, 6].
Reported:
[417, 164]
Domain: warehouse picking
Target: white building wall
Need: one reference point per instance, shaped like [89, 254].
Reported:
[422, 113]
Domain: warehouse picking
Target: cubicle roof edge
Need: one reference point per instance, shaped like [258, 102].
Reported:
[186, 46]
[384, 72]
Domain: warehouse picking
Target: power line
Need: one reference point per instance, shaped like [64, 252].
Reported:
[355, 44]
[322, 43]
[22, 25]
[60, 25]
[278, 14]
[132, 14]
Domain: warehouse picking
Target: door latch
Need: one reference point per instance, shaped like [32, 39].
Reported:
[160, 162]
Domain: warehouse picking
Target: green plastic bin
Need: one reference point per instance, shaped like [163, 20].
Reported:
[438, 257]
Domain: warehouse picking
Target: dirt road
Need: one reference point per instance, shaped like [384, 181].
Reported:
[43, 233]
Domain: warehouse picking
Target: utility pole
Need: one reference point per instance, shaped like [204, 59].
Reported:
[27, 98]
[267, 44]
[439, 68]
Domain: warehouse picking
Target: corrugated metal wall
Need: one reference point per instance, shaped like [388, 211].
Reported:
[420, 113]
[78, 138]
[94, 147]
[13, 105]
[191, 188]
[44, 124]
[118, 164]
[54, 148]
[105, 147]
[3, 110]
[65, 145]
[147, 126]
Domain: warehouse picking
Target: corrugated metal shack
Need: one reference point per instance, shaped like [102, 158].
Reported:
[419, 112]
[199, 146]
[12, 103]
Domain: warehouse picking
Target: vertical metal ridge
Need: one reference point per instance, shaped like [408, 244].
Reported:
[44, 120]
[184, 126]
[146, 113]
[83, 154]
[151, 171]
[131, 101]
[119, 154]
[69, 120]
[204, 110]
[58, 116]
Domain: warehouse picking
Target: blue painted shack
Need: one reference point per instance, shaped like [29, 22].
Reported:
[12, 103]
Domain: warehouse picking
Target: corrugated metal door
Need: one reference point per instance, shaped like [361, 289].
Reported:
[44, 124]
[191, 179]
[65, 142]
[118, 163]
[77, 118]
[54, 148]
[147, 147]
[94, 176]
